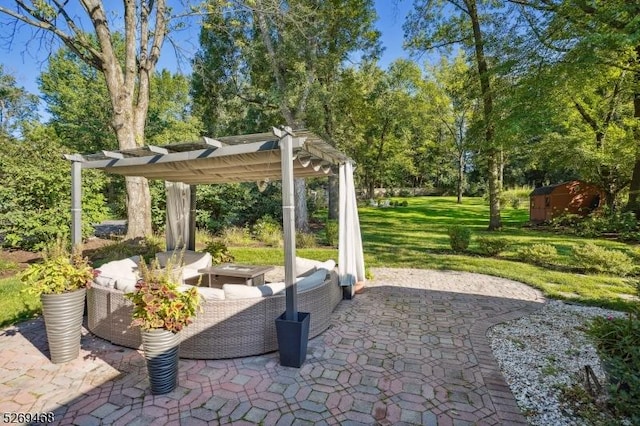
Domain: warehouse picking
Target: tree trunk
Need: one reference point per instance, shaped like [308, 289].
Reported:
[302, 222]
[460, 176]
[334, 197]
[138, 199]
[634, 189]
[495, 221]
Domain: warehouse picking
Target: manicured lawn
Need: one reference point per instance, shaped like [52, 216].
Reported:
[16, 306]
[416, 236]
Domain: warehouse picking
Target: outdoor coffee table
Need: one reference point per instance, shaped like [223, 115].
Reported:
[234, 274]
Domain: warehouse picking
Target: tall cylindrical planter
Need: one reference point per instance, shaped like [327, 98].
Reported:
[63, 322]
[161, 352]
[293, 336]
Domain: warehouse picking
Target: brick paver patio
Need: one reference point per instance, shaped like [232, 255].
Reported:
[400, 353]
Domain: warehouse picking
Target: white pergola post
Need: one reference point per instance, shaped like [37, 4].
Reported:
[76, 202]
[288, 222]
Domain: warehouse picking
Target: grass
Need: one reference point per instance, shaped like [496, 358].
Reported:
[16, 306]
[416, 236]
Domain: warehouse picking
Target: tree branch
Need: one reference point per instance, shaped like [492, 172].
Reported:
[79, 46]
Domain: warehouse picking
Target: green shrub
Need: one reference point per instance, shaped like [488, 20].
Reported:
[268, 231]
[236, 236]
[618, 343]
[515, 197]
[538, 254]
[331, 233]
[306, 240]
[35, 193]
[404, 193]
[599, 223]
[492, 246]
[219, 251]
[598, 259]
[404, 203]
[459, 237]
[566, 220]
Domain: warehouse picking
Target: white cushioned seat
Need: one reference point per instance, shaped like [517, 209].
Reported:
[119, 274]
[306, 266]
[242, 291]
[192, 261]
[208, 293]
[311, 281]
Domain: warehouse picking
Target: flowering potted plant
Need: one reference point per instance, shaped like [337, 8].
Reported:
[161, 310]
[61, 280]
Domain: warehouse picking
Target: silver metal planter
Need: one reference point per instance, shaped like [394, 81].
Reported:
[161, 352]
[63, 321]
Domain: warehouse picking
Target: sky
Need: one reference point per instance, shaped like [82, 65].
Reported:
[26, 65]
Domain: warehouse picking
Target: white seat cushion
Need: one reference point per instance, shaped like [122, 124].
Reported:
[312, 281]
[241, 291]
[276, 288]
[304, 266]
[208, 293]
[119, 274]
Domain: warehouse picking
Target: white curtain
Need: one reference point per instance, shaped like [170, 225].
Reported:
[178, 203]
[350, 256]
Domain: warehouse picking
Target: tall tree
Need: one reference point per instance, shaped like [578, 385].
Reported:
[456, 109]
[17, 106]
[380, 113]
[145, 24]
[278, 57]
[442, 23]
[605, 32]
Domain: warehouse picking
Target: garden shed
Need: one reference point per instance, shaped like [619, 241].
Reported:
[575, 197]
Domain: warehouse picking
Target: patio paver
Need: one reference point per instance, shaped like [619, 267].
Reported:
[411, 349]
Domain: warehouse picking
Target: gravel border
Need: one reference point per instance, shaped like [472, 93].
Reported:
[542, 352]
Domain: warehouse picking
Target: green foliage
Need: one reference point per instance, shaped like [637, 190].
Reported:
[7, 266]
[158, 303]
[59, 272]
[268, 231]
[236, 236]
[515, 197]
[306, 240]
[592, 257]
[538, 254]
[602, 222]
[219, 251]
[18, 108]
[618, 343]
[35, 188]
[331, 233]
[491, 246]
[459, 237]
[223, 206]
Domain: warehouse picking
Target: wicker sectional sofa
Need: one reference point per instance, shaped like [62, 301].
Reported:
[225, 328]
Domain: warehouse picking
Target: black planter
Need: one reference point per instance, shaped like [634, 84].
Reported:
[292, 339]
[63, 322]
[161, 353]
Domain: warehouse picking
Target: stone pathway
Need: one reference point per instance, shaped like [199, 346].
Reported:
[411, 349]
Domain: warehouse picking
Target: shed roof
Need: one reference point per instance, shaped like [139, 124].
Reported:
[546, 190]
[241, 158]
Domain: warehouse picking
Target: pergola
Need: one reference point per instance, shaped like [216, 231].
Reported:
[278, 155]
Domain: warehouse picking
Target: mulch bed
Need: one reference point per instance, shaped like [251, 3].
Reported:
[23, 258]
